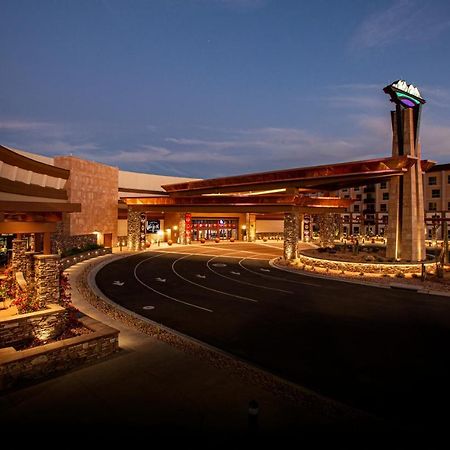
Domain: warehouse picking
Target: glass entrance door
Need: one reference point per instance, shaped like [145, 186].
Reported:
[212, 228]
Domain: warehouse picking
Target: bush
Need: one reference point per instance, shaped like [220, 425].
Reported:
[76, 250]
[400, 275]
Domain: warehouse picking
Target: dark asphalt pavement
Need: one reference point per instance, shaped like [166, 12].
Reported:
[381, 350]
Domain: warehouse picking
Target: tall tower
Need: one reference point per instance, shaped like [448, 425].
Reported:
[406, 230]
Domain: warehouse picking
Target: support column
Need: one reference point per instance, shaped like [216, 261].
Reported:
[47, 243]
[182, 229]
[133, 229]
[19, 259]
[30, 266]
[251, 227]
[47, 279]
[291, 235]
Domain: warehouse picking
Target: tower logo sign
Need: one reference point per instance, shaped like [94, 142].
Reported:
[404, 94]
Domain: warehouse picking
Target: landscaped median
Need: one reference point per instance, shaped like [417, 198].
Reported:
[18, 366]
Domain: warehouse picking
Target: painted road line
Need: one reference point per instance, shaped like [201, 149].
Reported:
[276, 278]
[241, 281]
[208, 288]
[162, 293]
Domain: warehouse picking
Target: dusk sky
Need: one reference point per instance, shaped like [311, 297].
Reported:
[207, 88]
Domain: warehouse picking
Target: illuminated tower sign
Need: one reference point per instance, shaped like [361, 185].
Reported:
[406, 238]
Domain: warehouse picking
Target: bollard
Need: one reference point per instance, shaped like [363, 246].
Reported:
[253, 411]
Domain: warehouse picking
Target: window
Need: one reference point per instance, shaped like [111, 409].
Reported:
[385, 195]
[448, 179]
[347, 196]
[383, 184]
[344, 190]
[356, 208]
[357, 188]
[432, 206]
[436, 193]
[448, 206]
[432, 181]
[355, 230]
[358, 196]
[383, 207]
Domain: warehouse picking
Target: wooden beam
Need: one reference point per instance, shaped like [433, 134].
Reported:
[15, 206]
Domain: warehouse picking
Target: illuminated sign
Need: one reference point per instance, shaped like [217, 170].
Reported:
[142, 220]
[188, 226]
[153, 226]
[404, 94]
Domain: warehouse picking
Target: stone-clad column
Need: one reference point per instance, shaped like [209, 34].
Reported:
[182, 229]
[47, 279]
[29, 272]
[251, 227]
[19, 259]
[291, 235]
[134, 224]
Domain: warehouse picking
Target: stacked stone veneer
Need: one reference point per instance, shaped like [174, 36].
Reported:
[38, 362]
[291, 235]
[30, 263]
[47, 279]
[358, 267]
[62, 241]
[134, 227]
[19, 258]
[42, 325]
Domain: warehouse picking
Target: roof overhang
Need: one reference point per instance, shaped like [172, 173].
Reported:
[318, 178]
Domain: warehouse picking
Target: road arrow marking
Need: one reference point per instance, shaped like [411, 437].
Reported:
[236, 273]
[118, 283]
[161, 280]
[264, 270]
[219, 265]
[200, 276]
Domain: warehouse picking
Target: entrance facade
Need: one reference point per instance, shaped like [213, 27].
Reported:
[212, 228]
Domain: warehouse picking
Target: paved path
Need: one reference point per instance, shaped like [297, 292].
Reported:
[154, 386]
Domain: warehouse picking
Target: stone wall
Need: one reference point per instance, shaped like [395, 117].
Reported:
[62, 241]
[291, 235]
[378, 268]
[96, 187]
[38, 362]
[47, 279]
[42, 325]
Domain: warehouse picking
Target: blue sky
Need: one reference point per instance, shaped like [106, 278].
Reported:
[207, 88]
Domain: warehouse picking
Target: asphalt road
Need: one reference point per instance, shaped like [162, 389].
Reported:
[381, 350]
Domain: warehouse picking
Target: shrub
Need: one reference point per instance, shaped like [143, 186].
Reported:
[400, 275]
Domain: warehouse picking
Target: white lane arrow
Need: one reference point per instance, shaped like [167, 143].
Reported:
[200, 276]
[118, 283]
[236, 273]
[219, 265]
[161, 280]
[264, 270]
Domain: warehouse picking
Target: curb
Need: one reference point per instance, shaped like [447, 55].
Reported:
[417, 289]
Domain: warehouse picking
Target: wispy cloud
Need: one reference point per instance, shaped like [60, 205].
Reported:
[24, 125]
[404, 20]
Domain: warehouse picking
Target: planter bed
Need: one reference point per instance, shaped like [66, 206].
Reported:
[39, 362]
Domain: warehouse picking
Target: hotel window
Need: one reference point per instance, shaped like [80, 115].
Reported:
[436, 193]
[344, 190]
[358, 196]
[355, 208]
[385, 195]
[347, 196]
[357, 188]
[383, 207]
[448, 206]
[383, 185]
[432, 181]
[431, 206]
[448, 179]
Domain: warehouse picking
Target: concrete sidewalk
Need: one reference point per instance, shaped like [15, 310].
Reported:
[153, 385]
